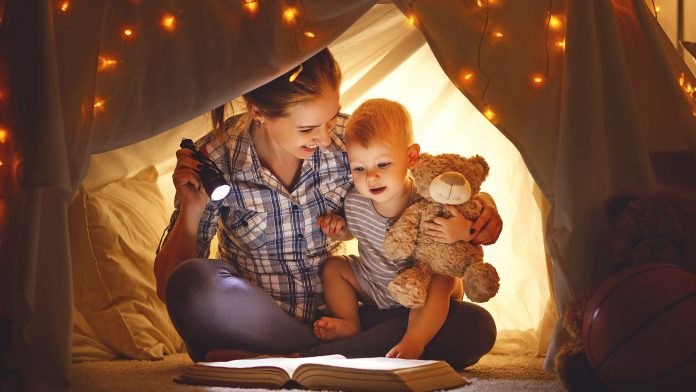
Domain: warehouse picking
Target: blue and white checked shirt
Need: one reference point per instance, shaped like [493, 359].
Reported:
[267, 233]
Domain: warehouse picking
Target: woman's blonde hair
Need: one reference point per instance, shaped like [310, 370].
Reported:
[382, 118]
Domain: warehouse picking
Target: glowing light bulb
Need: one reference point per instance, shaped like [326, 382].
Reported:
[554, 22]
[538, 80]
[1, 163]
[128, 33]
[468, 75]
[289, 15]
[498, 34]
[411, 20]
[251, 5]
[309, 34]
[168, 22]
[3, 135]
[681, 80]
[657, 9]
[99, 104]
[105, 63]
[489, 114]
[64, 6]
[479, 3]
[561, 44]
[295, 74]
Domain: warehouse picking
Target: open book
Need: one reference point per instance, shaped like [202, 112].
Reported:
[327, 372]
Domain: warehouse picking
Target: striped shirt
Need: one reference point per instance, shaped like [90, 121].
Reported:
[269, 233]
[373, 269]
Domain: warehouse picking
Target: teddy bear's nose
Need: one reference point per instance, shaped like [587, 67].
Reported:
[450, 188]
[453, 179]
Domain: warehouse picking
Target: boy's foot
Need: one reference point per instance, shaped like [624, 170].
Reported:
[230, 354]
[331, 328]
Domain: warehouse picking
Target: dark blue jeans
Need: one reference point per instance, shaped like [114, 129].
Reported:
[212, 308]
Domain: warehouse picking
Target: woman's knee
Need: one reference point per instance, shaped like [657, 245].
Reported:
[191, 281]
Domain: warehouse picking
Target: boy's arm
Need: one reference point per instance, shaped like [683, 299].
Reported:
[425, 322]
[334, 227]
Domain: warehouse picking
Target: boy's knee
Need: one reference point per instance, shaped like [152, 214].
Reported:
[187, 280]
[334, 265]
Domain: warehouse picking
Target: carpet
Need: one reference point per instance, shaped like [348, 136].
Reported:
[492, 373]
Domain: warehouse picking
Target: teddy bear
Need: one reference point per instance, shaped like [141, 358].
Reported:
[646, 227]
[439, 180]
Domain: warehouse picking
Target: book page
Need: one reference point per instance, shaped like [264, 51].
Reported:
[377, 363]
[287, 364]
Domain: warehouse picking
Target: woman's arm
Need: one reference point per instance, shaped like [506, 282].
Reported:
[182, 240]
[486, 229]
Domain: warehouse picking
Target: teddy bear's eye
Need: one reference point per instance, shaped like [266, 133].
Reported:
[383, 165]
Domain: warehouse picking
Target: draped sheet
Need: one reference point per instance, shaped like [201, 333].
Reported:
[584, 134]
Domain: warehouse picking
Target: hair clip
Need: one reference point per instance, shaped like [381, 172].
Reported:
[296, 73]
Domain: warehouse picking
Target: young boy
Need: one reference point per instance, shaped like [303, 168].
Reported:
[381, 150]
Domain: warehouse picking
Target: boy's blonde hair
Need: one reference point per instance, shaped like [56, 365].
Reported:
[379, 117]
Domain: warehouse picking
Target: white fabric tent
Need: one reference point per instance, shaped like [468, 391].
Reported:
[612, 96]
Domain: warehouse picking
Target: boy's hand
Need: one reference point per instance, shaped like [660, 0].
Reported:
[334, 226]
[406, 349]
[449, 230]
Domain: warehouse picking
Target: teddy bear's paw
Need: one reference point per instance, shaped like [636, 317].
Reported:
[410, 288]
[574, 370]
[481, 282]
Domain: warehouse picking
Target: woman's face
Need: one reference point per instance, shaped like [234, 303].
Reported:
[307, 127]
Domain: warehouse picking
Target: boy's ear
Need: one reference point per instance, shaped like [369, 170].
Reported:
[413, 154]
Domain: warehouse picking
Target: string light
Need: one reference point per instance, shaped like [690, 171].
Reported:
[467, 76]
[554, 22]
[479, 3]
[489, 114]
[105, 63]
[309, 34]
[561, 44]
[657, 9]
[295, 74]
[538, 80]
[411, 20]
[289, 15]
[99, 104]
[498, 34]
[64, 6]
[3, 135]
[127, 33]
[251, 5]
[168, 22]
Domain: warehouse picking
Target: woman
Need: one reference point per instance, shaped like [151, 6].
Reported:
[286, 161]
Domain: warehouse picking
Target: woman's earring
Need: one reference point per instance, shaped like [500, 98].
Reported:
[258, 123]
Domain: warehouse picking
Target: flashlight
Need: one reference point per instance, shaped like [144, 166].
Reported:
[211, 176]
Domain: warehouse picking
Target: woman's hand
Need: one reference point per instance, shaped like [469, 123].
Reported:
[487, 227]
[188, 184]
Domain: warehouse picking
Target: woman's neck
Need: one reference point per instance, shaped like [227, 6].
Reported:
[284, 166]
[396, 205]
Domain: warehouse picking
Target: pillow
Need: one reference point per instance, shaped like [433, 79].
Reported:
[114, 232]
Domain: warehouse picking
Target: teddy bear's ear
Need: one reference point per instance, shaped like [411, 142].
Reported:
[616, 204]
[422, 159]
[481, 166]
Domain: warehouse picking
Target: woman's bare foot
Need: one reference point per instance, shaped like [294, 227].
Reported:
[331, 328]
[230, 354]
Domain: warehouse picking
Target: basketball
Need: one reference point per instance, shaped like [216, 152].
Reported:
[639, 328]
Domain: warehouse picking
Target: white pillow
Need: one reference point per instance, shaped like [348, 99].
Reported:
[114, 232]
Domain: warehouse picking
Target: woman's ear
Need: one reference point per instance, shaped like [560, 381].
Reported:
[413, 154]
[255, 112]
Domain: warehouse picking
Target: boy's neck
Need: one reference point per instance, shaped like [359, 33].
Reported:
[397, 204]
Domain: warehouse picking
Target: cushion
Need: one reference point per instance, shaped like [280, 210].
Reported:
[114, 232]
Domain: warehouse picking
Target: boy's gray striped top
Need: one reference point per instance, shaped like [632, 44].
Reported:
[373, 269]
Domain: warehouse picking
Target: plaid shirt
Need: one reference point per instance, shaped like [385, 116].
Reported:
[267, 233]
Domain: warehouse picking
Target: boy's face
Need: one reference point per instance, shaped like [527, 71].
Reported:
[380, 170]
